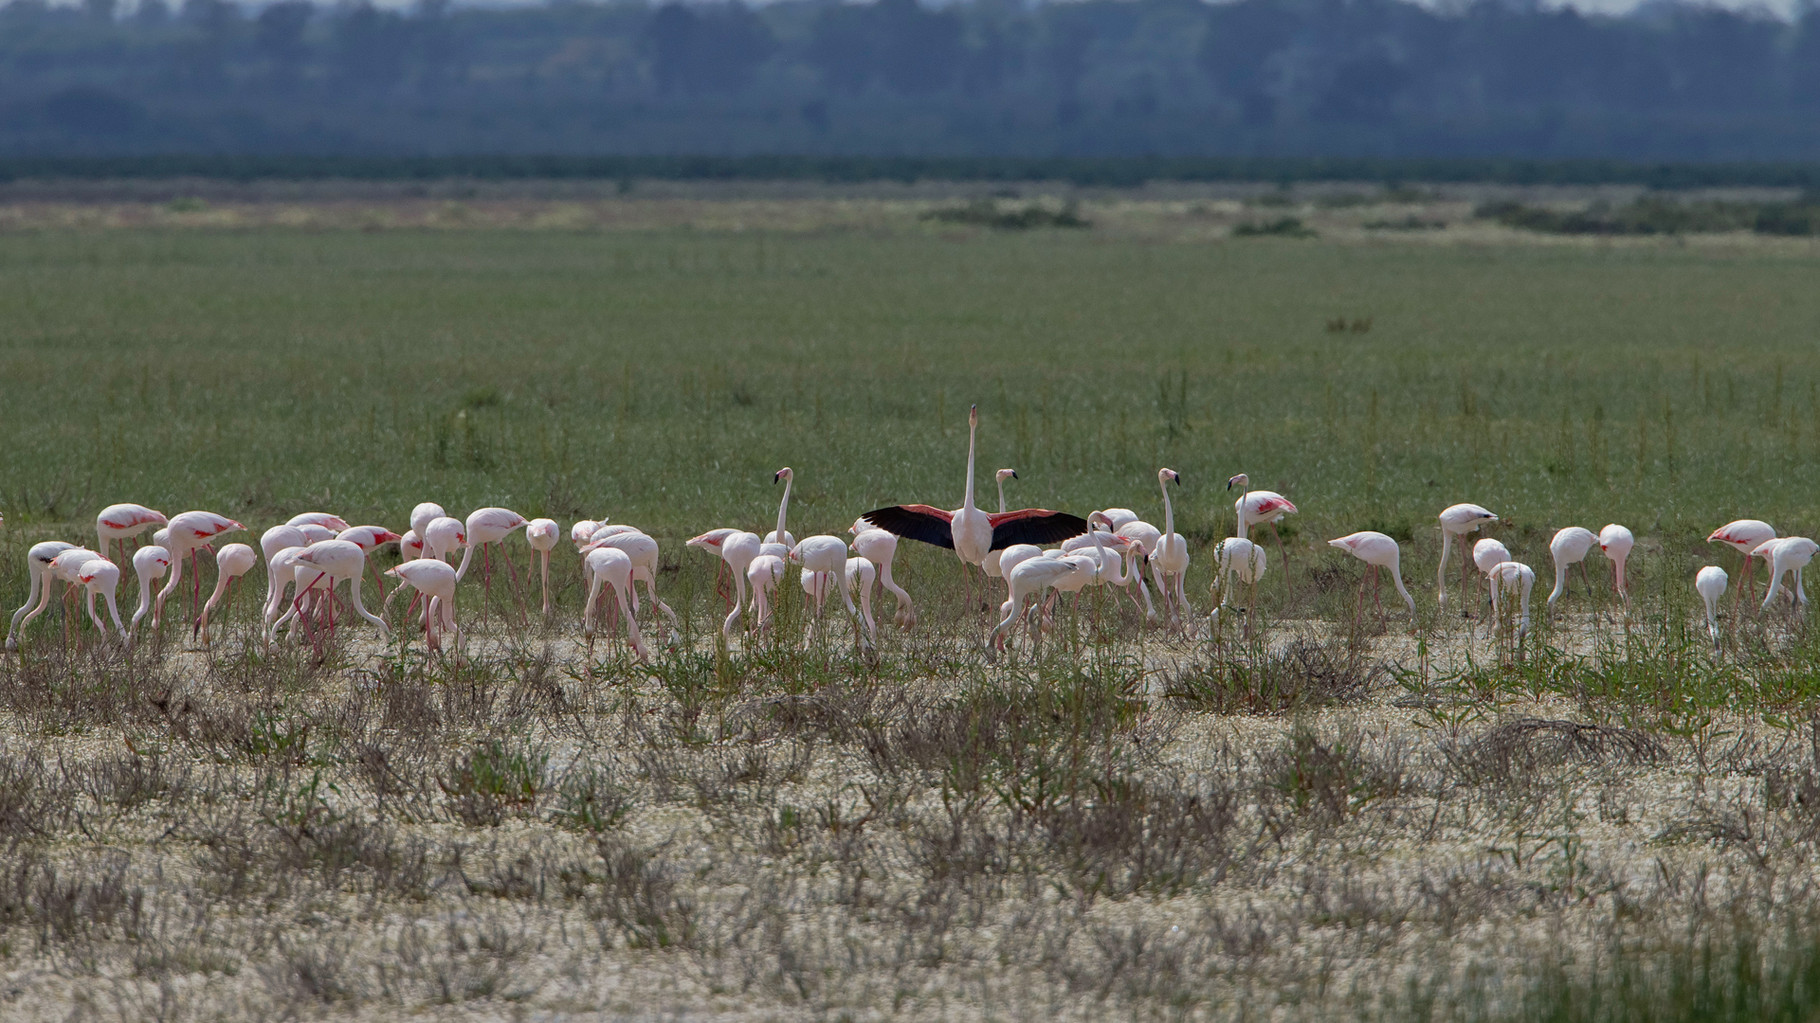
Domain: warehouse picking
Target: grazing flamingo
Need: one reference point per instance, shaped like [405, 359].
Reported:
[1237, 559]
[582, 531]
[611, 566]
[969, 532]
[231, 562]
[736, 548]
[1142, 534]
[1380, 552]
[334, 561]
[1261, 508]
[764, 575]
[150, 563]
[314, 532]
[38, 587]
[862, 574]
[424, 514]
[1569, 548]
[1488, 554]
[1169, 559]
[286, 574]
[1119, 518]
[443, 536]
[542, 535]
[1616, 542]
[1015, 555]
[434, 579]
[779, 541]
[880, 547]
[272, 541]
[1458, 520]
[1789, 554]
[66, 566]
[333, 523]
[410, 546]
[1071, 573]
[99, 575]
[1744, 536]
[642, 550]
[120, 521]
[1516, 578]
[991, 562]
[486, 527]
[1108, 547]
[824, 562]
[370, 539]
[1710, 583]
[190, 532]
[1121, 570]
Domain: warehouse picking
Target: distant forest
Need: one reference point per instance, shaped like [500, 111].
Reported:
[1096, 78]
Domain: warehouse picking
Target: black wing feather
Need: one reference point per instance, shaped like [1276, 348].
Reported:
[1048, 529]
[912, 525]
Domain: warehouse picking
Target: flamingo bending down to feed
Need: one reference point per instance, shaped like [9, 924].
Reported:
[1030, 575]
[486, 527]
[1512, 577]
[423, 515]
[38, 586]
[642, 550]
[435, 580]
[65, 566]
[99, 575]
[1118, 570]
[1261, 508]
[231, 562]
[1380, 552]
[1616, 541]
[610, 566]
[272, 541]
[969, 532]
[542, 535]
[190, 532]
[1789, 554]
[1108, 549]
[1458, 520]
[1710, 583]
[764, 575]
[150, 563]
[334, 561]
[443, 536]
[1237, 560]
[736, 548]
[880, 547]
[1570, 547]
[824, 564]
[333, 523]
[121, 521]
[861, 575]
[991, 562]
[1744, 536]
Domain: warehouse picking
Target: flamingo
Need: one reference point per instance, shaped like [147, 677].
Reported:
[333, 523]
[779, 541]
[1015, 555]
[272, 541]
[764, 575]
[150, 563]
[315, 532]
[443, 536]
[824, 562]
[38, 587]
[1616, 542]
[1789, 554]
[642, 550]
[1031, 575]
[370, 539]
[66, 566]
[1512, 577]
[285, 572]
[486, 527]
[120, 521]
[1261, 507]
[335, 561]
[1380, 552]
[410, 546]
[861, 573]
[1119, 518]
[1237, 558]
[424, 514]
[542, 535]
[1458, 520]
[880, 547]
[231, 562]
[1744, 536]
[736, 548]
[1488, 554]
[1123, 570]
[991, 562]
[1569, 548]
[969, 532]
[190, 532]
[1146, 536]
[1108, 547]
[1710, 583]
[1169, 559]
[610, 566]
[434, 579]
[99, 575]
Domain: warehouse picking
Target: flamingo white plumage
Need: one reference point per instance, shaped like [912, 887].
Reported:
[1616, 542]
[191, 531]
[122, 521]
[1381, 552]
[1237, 559]
[542, 536]
[1570, 547]
[38, 586]
[101, 576]
[1512, 578]
[1169, 559]
[329, 562]
[880, 547]
[611, 567]
[1458, 520]
[1710, 583]
[992, 557]
[231, 562]
[1786, 555]
[1744, 536]
[764, 575]
[434, 580]
[326, 520]
[860, 576]
[1261, 508]
[824, 565]
[150, 563]
[737, 548]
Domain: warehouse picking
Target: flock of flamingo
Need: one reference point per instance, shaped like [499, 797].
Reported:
[309, 556]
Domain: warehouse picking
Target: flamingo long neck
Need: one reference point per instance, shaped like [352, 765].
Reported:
[1441, 572]
[1243, 494]
[972, 436]
[1561, 568]
[783, 508]
[1001, 490]
[1169, 511]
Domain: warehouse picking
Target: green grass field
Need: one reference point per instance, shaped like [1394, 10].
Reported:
[1317, 824]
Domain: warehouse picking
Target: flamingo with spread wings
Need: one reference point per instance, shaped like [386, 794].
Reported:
[970, 532]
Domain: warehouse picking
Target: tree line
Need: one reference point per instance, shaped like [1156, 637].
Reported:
[895, 78]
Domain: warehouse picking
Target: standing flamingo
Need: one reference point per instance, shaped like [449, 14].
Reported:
[1616, 542]
[1380, 552]
[779, 541]
[410, 546]
[1071, 573]
[1569, 548]
[969, 532]
[764, 575]
[992, 558]
[1169, 559]
[99, 575]
[824, 564]
[66, 567]
[880, 547]
[1744, 536]
[1458, 520]
[1512, 577]
[1261, 508]
[231, 562]
[272, 541]
[443, 536]
[610, 566]
[190, 532]
[1789, 554]
[486, 527]
[38, 587]
[542, 535]
[736, 549]
[642, 550]
[1710, 583]
[334, 561]
[120, 521]
[435, 580]
[862, 575]
[1237, 559]
[150, 563]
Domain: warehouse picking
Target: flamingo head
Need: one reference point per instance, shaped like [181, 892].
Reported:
[782, 474]
[712, 538]
[1099, 518]
[1240, 481]
[1169, 476]
[1007, 474]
